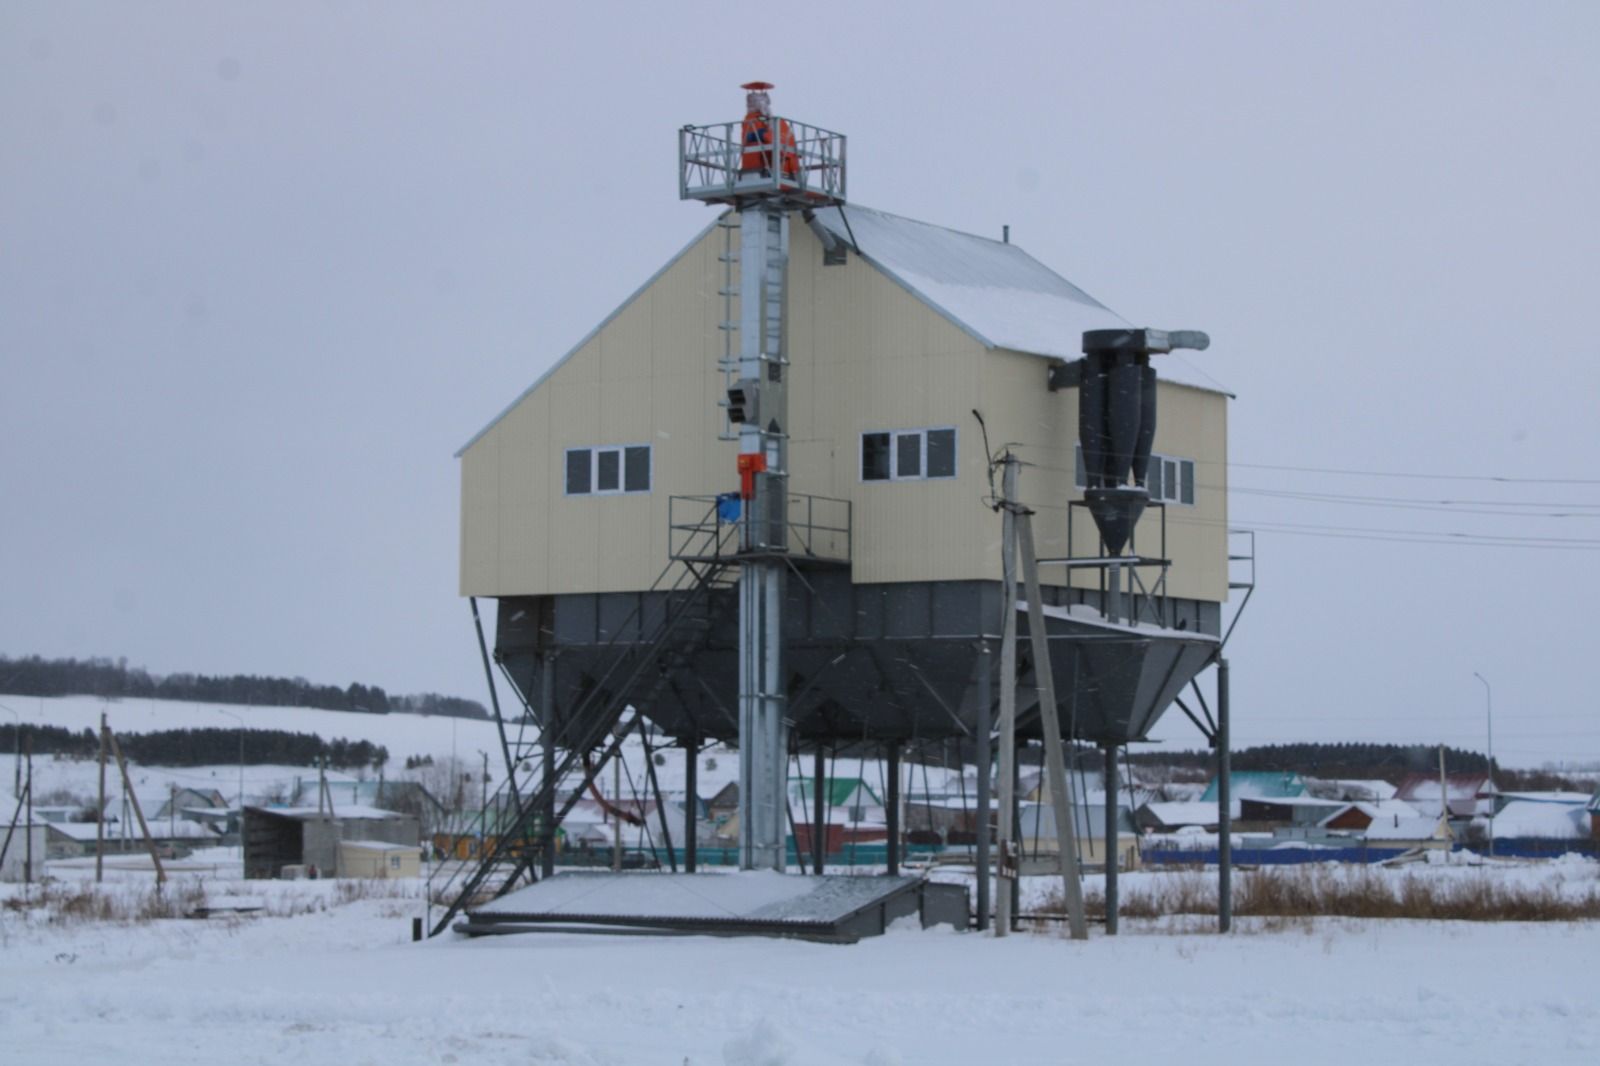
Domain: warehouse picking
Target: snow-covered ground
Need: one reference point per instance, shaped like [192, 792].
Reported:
[339, 982]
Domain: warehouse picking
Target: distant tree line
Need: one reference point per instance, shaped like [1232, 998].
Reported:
[36, 676]
[202, 747]
[1353, 760]
[433, 703]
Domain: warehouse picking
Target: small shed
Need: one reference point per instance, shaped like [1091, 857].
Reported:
[1038, 830]
[378, 860]
[19, 843]
[275, 837]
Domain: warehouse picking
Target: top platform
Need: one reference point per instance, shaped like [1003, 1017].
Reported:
[785, 162]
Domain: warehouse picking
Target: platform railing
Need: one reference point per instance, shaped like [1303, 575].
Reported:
[803, 161]
[707, 528]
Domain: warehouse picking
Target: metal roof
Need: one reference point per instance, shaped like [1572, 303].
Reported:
[1259, 784]
[992, 290]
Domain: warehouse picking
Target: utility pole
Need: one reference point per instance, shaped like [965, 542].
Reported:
[16, 753]
[1494, 793]
[1050, 724]
[236, 718]
[985, 696]
[1444, 788]
[1006, 867]
[100, 819]
[484, 791]
[127, 785]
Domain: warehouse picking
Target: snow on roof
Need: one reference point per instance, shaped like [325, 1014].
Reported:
[1385, 810]
[991, 289]
[1193, 812]
[1543, 821]
[379, 845]
[1260, 784]
[1579, 798]
[1459, 786]
[1366, 788]
[160, 829]
[1404, 829]
[348, 811]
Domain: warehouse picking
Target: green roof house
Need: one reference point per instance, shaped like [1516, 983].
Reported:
[1259, 784]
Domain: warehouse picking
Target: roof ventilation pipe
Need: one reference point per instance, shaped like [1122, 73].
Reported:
[1117, 422]
[833, 249]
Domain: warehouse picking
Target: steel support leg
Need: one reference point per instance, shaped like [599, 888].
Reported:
[691, 801]
[547, 764]
[892, 801]
[1112, 848]
[819, 809]
[985, 701]
[1224, 805]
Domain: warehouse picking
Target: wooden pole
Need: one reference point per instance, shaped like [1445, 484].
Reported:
[27, 860]
[127, 785]
[100, 819]
[1050, 723]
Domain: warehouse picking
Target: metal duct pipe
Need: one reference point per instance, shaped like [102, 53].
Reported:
[830, 244]
[1092, 420]
[1147, 426]
[1123, 408]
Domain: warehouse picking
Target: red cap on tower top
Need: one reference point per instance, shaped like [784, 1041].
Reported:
[757, 86]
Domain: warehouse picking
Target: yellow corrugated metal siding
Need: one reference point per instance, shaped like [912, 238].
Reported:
[866, 355]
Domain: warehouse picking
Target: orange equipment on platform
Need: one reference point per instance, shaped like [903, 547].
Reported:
[750, 464]
[757, 134]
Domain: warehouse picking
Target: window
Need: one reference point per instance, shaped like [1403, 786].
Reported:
[908, 454]
[604, 471]
[1169, 479]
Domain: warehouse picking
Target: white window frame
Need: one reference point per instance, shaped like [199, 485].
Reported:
[594, 451]
[894, 454]
[1175, 499]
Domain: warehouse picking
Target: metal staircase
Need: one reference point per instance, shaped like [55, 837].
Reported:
[637, 671]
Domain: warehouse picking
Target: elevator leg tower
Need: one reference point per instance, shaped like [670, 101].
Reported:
[763, 463]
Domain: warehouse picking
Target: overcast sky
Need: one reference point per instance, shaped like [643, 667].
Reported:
[264, 269]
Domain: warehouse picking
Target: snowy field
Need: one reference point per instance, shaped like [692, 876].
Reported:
[405, 735]
[339, 982]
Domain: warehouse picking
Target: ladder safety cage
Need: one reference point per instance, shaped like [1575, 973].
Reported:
[802, 163]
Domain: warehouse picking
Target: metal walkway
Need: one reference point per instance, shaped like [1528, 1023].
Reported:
[837, 909]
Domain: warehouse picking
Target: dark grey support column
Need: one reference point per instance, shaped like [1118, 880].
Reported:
[984, 725]
[892, 802]
[1017, 840]
[1224, 806]
[691, 801]
[547, 755]
[819, 809]
[1112, 856]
